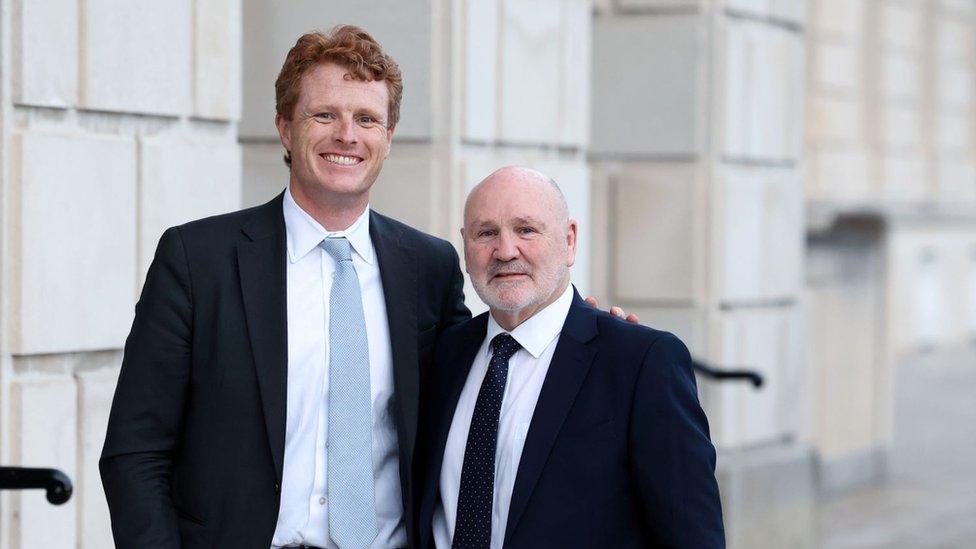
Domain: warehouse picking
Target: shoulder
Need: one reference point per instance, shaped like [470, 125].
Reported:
[218, 235]
[229, 223]
[640, 341]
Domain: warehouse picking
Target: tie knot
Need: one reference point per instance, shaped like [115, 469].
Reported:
[504, 346]
[338, 248]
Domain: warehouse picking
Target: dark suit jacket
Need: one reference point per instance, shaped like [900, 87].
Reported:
[196, 436]
[617, 453]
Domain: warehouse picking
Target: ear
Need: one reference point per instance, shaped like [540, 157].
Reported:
[284, 131]
[389, 141]
[571, 243]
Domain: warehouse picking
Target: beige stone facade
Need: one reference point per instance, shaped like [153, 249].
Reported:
[788, 185]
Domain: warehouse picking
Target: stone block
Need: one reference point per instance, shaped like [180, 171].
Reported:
[182, 180]
[957, 7]
[575, 73]
[836, 121]
[530, 71]
[905, 249]
[75, 244]
[769, 496]
[479, 116]
[656, 243]
[43, 433]
[840, 175]
[903, 178]
[837, 67]
[264, 173]
[959, 283]
[141, 68]
[45, 56]
[954, 39]
[751, 7]
[955, 133]
[95, 392]
[646, 75]
[901, 25]
[790, 10]
[901, 127]
[217, 59]
[764, 340]
[406, 33]
[641, 4]
[690, 324]
[838, 18]
[900, 78]
[408, 189]
[759, 234]
[761, 90]
[844, 281]
[955, 87]
[957, 181]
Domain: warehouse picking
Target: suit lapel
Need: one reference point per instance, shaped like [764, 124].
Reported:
[261, 262]
[398, 271]
[567, 370]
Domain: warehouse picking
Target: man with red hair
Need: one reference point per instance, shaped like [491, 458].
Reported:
[269, 388]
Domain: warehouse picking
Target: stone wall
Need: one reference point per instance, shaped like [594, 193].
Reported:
[891, 194]
[118, 119]
[788, 185]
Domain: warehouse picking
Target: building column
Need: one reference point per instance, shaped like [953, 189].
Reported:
[696, 151]
[118, 120]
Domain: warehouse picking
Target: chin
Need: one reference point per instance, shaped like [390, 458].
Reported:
[508, 301]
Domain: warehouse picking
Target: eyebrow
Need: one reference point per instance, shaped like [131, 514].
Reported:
[529, 220]
[319, 107]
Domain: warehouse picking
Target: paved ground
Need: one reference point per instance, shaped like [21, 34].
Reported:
[929, 498]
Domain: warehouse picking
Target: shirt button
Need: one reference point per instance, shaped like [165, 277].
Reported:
[321, 501]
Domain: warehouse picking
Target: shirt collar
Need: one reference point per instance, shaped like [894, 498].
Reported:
[304, 233]
[538, 331]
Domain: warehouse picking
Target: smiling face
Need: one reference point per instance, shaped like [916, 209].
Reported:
[518, 243]
[337, 136]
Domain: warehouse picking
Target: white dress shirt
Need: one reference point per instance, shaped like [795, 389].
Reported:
[527, 370]
[303, 517]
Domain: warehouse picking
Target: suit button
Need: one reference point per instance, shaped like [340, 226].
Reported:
[277, 488]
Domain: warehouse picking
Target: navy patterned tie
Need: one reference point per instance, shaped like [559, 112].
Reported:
[472, 528]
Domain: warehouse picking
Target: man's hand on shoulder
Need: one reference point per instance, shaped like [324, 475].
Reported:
[615, 311]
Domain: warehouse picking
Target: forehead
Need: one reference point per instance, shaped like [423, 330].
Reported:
[511, 201]
[328, 82]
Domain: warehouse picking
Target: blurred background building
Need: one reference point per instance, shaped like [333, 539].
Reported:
[788, 185]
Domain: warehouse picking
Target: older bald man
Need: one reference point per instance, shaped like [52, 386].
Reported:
[548, 423]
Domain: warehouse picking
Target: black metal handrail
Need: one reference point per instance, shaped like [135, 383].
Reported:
[54, 482]
[722, 374]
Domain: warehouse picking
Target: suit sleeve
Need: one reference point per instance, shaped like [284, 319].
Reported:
[454, 310]
[146, 418]
[672, 457]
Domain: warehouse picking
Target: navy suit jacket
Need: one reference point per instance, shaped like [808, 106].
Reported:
[196, 436]
[617, 453]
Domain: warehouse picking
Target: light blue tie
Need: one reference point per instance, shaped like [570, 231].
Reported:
[352, 515]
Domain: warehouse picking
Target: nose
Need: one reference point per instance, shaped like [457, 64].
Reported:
[507, 248]
[345, 131]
